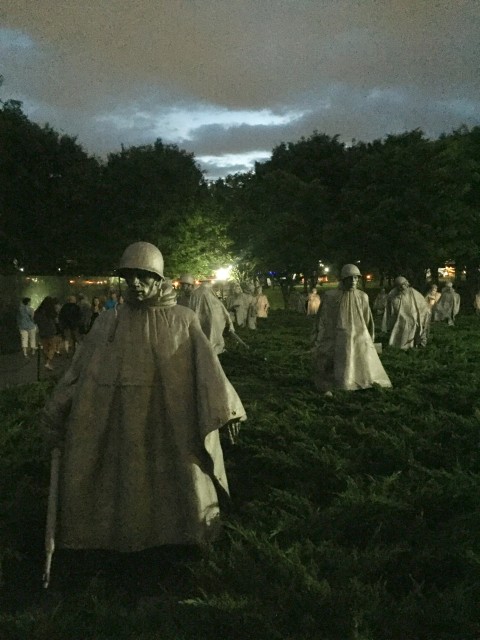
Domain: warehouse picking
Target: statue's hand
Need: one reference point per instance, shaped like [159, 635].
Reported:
[233, 429]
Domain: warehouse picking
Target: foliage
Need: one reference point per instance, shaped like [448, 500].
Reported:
[403, 207]
[202, 244]
[24, 470]
[147, 193]
[277, 215]
[47, 194]
[404, 204]
[61, 210]
[352, 517]
[400, 205]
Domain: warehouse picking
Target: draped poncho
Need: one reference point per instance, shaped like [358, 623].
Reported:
[407, 318]
[262, 305]
[244, 308]
[213, 316]
[448, 306]
[138, 413]
[313, 303]
[344, 353]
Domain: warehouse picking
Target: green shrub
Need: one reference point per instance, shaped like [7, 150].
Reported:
[354, 516]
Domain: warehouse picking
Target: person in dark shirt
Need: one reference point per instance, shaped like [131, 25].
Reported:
[69, 319]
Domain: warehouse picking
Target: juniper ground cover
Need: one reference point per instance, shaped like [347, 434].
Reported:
[355, 516]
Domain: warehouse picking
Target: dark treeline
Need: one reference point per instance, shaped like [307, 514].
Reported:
[63, 210]
[401, 205]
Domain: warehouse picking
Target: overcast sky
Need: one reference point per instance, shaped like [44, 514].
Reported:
[230, 79]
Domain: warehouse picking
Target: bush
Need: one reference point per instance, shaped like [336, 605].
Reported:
[352, 517]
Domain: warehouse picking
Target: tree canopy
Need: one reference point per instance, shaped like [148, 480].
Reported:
[403, 204]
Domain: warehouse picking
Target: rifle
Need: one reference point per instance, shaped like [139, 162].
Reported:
[239, 340]
[51, 515]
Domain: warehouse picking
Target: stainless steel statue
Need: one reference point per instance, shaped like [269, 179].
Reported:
[406, 316]
[447, 306]
[187, 285]
[213, 315]
[136, 418]
[344, 353]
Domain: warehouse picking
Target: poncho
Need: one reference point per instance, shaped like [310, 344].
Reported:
[183, 299]
[406, 317]
[241, 306]
[380, 303]
[139, 412]
[313, 303]
[262, 305]
[476, 302]
[344, 353]
[448, 306]
[213, 316]
[432, 298]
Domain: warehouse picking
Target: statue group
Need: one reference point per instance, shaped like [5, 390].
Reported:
[134, 423]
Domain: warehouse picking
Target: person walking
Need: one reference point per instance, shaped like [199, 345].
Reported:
[44, 318]
[27, 327]
[69, 319]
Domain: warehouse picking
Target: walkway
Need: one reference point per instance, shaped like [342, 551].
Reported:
[16, 369]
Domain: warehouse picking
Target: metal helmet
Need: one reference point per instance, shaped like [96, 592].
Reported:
[349, 270]
[186, 278]
[142, 255]
[399, 280]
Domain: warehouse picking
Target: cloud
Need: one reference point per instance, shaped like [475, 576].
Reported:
[12, 40]
[179, 123]
[224, 78]
[230, 163]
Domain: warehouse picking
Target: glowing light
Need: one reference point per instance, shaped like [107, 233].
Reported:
[223, 273]
[326, 269]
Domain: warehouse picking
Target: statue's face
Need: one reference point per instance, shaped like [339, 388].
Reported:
[186, 288]
[403, 286]
[350, 282]
[142, 285]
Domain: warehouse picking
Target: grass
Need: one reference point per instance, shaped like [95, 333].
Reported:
[355, 516]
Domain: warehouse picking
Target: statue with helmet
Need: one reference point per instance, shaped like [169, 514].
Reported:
[313, 302]
[261, 303]
[406, 317]
[344, 354]
[213, 315]
[136, 419]
[187, 285]
[244, 306]
[448, 305]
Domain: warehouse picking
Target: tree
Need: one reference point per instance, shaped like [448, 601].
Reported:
[388, 208]
[458, 178]
[202, 244]
[278, 213]
[47, 192]
[147, 193]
